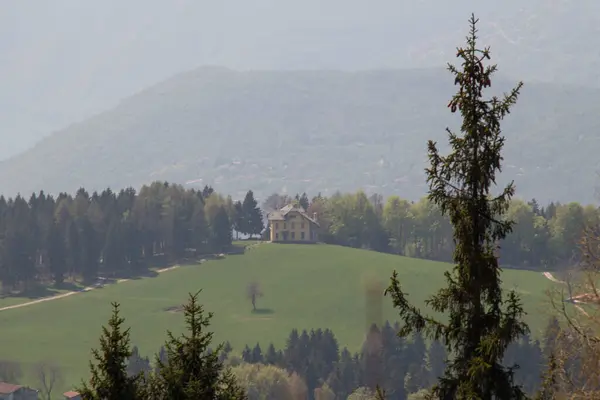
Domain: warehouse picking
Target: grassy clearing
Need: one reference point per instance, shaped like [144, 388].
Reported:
[305, 286]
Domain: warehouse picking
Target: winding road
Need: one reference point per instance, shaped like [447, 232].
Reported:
[61, 296]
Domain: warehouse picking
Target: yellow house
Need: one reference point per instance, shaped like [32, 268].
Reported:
[292, 224]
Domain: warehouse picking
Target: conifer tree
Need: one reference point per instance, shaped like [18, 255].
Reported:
[109, 380]
[482, 321]
[253, 218]
[257, 355]
[271, 356]
[550, 388]
[192, 371]
[57, 252]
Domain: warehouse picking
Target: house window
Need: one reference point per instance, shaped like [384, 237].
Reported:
[276, 235]
[293, 235]
[293, 225]
[302, 235]
[302, 225]
[284, 225]
[276, 225]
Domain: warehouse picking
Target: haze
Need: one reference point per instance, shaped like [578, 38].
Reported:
[62, 61]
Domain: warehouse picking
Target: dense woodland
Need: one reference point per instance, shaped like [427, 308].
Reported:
[50, 240]
[400, 366]
[543, 236]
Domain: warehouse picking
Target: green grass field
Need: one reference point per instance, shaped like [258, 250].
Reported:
[305, 286]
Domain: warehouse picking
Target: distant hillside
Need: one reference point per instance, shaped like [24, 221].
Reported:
[66, 60]
[309, 131]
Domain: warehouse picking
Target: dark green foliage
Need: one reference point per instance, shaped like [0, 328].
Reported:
[252, 221]
[239, 220]
[303, 200]
[482, 322]
[123, 233]
[272, 356]
[107, 233]
[57, 252]
[109, 378]
[257, 355]
[136, 364]
[220, 229]
[192, 371]
[387, 361]
[550, 388]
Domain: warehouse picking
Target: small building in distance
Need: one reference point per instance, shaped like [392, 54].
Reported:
[8, 391]
[71, 395]
[292, 224]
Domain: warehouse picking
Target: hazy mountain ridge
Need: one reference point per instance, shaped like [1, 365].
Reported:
[65, 60]
[308, 130]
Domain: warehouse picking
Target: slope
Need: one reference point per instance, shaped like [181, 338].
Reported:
[304, 286]
[318, 131]
[66, 60]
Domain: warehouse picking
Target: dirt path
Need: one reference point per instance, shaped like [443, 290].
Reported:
[60, 296]
[553, 279]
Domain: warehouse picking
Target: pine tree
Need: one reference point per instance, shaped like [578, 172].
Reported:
[136, 364]
[247, 355]
[271, 356]
[253, 218]
[479, 327]
[57, 252]
[303, 201]
[191, 371]
[109, 380]
[239, 220]
[221, 235]
[550, 388]
[257, 355]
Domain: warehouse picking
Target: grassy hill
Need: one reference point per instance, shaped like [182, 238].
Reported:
[305, 287]
[314, 131]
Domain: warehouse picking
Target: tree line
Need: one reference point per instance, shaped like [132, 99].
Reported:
[542, 237]
[319, 366]
[47, 239]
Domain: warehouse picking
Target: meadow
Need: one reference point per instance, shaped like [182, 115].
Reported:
[304, 286]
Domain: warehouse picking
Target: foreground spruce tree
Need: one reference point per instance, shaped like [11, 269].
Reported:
[482, 322]
[191, 370]
[109, 380]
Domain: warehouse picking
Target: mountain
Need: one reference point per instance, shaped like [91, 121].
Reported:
[314, 131]
[66, 60]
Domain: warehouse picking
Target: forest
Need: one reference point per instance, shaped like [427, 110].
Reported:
[49, 240]
[543, 237]
[313, 363]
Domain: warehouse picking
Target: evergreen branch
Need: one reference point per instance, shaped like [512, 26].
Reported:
[412, 316]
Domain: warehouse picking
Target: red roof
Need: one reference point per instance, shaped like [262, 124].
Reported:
[70, 394]
[8, 388]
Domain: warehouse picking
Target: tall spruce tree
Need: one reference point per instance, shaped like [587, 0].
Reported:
[110, 380]
[253, 218]
[482, 320]
[191, 370]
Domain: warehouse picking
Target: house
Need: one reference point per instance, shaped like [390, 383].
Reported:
[293, 225]
[71, 395]
[8, 391]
